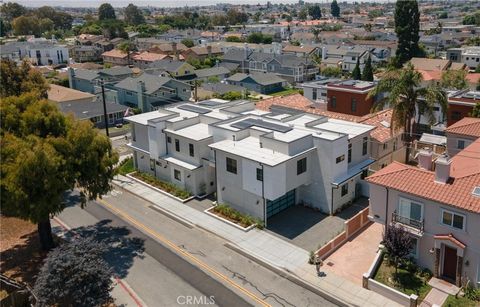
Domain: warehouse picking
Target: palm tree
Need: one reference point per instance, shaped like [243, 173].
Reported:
[126, 47]
[400, 90]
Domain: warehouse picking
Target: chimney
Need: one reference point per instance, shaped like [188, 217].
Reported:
[174, 50]
[209, 51]
[140, 96]
[442, 169]
[71, 75]
[425, 158]
[245, 47]
[324, 55]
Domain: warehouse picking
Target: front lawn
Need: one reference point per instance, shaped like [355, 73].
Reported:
[168, 187]
[453, 301]
[408, 281]
[126, 167]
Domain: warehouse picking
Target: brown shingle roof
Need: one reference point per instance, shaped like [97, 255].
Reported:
[457, 192]
[429, 64]
[61, 94]
[115, 53]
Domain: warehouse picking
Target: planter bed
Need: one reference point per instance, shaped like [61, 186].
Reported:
[231, 220]
[161, 186]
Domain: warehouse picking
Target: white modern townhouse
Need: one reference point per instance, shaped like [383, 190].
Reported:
[256, 161]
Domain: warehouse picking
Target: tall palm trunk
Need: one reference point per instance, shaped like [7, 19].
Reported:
[45, 234]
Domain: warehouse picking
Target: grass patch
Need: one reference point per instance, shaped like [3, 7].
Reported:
[168, 187]
[286, 92]
[408, 281]
[236, 216]
[126, 167]
[453, 301]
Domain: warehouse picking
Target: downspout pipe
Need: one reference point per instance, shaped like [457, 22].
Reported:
[263, 198]
[216, 181]
[386, 210]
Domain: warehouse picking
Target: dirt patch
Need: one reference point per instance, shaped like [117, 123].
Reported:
[20, 253]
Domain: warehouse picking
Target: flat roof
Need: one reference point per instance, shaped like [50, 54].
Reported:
[195, 132]
[143, 118]
[250, 148]
[352, 129]
[291, 135]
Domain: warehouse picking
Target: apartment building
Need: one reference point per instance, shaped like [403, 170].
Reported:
[350, 97]
[438, 203]
[37, 51]
[470, 56]
[85, 53]
[316, 91]
[257, 161]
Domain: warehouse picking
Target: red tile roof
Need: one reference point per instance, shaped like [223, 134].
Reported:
[469, 126]
[383, 132]
[450, 238]
[457, 192]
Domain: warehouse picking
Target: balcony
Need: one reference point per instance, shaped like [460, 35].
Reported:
[413, 226]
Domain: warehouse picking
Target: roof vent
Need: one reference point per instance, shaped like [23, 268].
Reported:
[385, 124]
[476, 191]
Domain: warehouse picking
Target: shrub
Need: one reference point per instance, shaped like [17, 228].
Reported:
[126, 167]
[165, 186]
[236, 216]
[311, 258]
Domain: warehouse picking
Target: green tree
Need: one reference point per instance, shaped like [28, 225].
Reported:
[126, 47]
[188, 42]
[473, 19]
[75, 274]
[106, 11]
[331, 72]
[316, 32]
[356, 73]
[314, 11]
[454, 79]
[12, 10]
[476, 110]
[405, 97]
[233, 39]
[302, 15]
[367, 74]
[259, 38]
[335, 9]
[17, 79]
[44, 154]
[368, 27]
[398, 245]
[26, 25]
[407, 25]
[133, 16]
[61, 20]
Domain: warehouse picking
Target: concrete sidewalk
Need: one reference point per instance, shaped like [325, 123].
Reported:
[266, 248]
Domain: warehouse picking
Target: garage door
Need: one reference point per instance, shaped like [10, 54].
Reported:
[281, 203]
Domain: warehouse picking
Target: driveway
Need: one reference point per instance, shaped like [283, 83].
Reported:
[310, 229]
[354, 258]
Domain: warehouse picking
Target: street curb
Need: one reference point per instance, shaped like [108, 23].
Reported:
[158, 209]
[285, 274]
[171, 215]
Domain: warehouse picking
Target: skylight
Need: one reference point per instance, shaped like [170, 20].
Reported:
[476, 191]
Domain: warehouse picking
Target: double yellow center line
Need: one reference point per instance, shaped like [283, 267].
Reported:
[187, 255]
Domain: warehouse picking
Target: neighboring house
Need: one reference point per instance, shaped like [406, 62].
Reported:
[350, 97]
[116, 57]
[470, 56]
[144, 59]
[316, 91]
[107, 45]
[217, 72]
[461, 134]
[88, 39]
[301, 51]
[430, 64]
[85, 106]
[202, 52]
[87, 80]
[146, 43]
[85, 53]
[61, 94]
[149, 92]
[175, 69]
[37, 51]
[252, 160]
[173, 49]
[263, 83]
[460, 105]
[439, 205]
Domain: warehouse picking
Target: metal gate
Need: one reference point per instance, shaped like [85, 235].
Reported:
[281, 203]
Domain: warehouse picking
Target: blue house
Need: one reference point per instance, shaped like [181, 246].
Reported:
[263, 83]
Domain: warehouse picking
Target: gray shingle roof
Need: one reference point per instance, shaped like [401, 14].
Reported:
[152, 83]
[116, 71]
[213, 71]
[167, 65]
[86, 110]
[260, 78]
[222, 88]
[86, 74]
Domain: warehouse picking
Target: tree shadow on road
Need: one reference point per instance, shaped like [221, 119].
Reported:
[123, 248]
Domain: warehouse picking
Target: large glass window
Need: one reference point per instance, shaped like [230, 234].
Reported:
[410, 210]
[354, 105]
[340, 159]
[461, 144]
[345, 189]
[177, 145]
[334, 102]
[259, 174]
[453, 219]
[231, 165]
[301, 166]
[177, 174]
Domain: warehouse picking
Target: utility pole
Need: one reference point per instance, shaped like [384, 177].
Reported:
[105, 118]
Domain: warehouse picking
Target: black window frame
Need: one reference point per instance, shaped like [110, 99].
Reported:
[177, 145]
[353, 105]
[301, 166]
[344, 189]
[334, 102]
[349, 159]
[340, 159]
[191, 150]
[169, 140]
[365, 145]
[231, 165]
[175, 172]
[259, 174]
